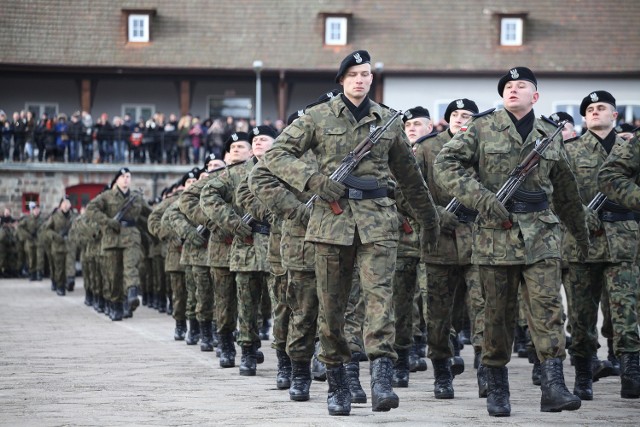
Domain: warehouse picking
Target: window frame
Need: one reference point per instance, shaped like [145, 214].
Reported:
[519, 30]
[138, 108]
[343, 22]
[42, 107]
[222, 97]
[131, 19]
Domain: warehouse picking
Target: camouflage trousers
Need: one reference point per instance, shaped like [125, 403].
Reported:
[278, 282]
[586, 282]
[420, 302]
[70, 260]
[334, 273]
[405, 285]
[178, 294]
[249, 285]
[302, 299]
[607, 326]
[58, 270]
[90, 274]
[123, 266]
[190, 284]
[264, 307]
[159, 277]
[205, 300]
[354, 315]
[543, 307]
[226, 297]
[35, 257]
[145, 277]
[112, 265]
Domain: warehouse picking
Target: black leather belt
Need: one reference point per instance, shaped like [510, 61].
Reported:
[259, 228]
[466, 215]
[127, 223]
[613, 212]
[524, 201]
[357, 194]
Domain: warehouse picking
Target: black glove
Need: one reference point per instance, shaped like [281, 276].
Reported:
[113, 224]
[325, 187]
[195, 238]
[448, 221]
[242, 230]
[301, 215]
[489, 206]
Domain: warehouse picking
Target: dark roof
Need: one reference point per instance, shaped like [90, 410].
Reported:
[413, 36]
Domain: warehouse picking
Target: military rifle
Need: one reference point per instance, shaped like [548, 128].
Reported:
[125, 208]
[351, 160]
[597, 202]
[522, 171]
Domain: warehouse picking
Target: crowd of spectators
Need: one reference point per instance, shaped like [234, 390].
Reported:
[81, 138]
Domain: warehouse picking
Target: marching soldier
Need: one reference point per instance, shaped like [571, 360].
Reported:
[367, 228]
[519, 242]
[58, 228]
[35, 252]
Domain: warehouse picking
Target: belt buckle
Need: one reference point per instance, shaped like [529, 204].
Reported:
[355, 194]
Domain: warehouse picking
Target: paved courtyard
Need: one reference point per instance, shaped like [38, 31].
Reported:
[62, 363]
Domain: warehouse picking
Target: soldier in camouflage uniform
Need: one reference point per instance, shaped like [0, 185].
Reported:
[519, 242]
[121, 239]
[222, 237]
[88, 236]
[619, 180]
[35, 252]
[449, 268]
[331, 130]
[614, 236]
[57, 228]
[174, 270]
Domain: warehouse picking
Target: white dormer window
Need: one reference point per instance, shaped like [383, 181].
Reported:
[138, 28]
[511, 31]
[335, 31]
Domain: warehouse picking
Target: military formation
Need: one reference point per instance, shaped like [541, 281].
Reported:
[426, 242]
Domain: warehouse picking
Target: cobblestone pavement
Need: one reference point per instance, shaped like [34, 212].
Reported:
[62, 363]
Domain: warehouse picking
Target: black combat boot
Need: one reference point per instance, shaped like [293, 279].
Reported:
[206, 343]
[227, 351]
[352, 370]
[116, 310]
[132, 298]
[536, 371]
[283, 378]
[498, 392]
[126, 310]
[477, 358]
[382, 396]
[180, 331]
[456, 363]
[54, 286]
[443, 379]
[300, 381]
[101, 305]
[421, 345]
[263, 331]
[416, 363]
[39, 276]
[32, 276]
[194, 332]
[318, 370]
[339, 396]
[61, 291]
[71, 283]
[629, 376]
[248, 361]
[214, 332]
[401, 369]
[88, 298]
[520, 341]
[259, 354]
[482, 381]
[583, 387]
[161, 303]
[600, 368]
[611, 357]
[555, 395]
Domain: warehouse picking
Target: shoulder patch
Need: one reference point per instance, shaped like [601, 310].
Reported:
[483, 113]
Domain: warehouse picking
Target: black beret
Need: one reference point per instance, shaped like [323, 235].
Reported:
[460, 104]
[264, 130]
[208, 158]
[597, 96]
[358, 57]
[120, 172]
[560, 116]
[193, 173]
[624, 127]
[414, 113]
[517, 73]
[235, 137]
[294, 116]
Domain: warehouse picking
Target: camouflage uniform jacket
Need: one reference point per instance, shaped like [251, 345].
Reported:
[57, 228]
[169, 233]
[282, 201]
[170, 240]
[330, 131]
[408, 243]
[106, 206]
[29, 226]
[182, 226]
[618, 242]
[219, 245]
[493, 147]
[87, 235]
[452, 249]
[220, 202]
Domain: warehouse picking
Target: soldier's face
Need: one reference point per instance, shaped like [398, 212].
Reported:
[568, 131]
[600, 116]
[261, 144]
[458, 119]
[124, 181]
[357, 81]
[214, 164]
[65, 205]
[417, 128]
[189, 182]
[239, 152]
[519, 96]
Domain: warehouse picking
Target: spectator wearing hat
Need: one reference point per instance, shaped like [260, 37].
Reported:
[117, 212]
[610, 267]
[367, 228]
[517, 246]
